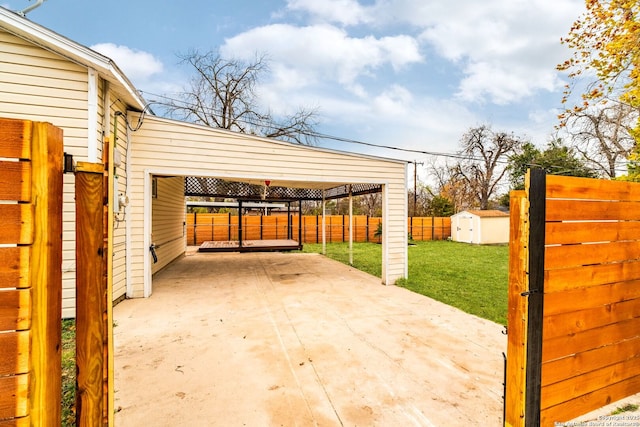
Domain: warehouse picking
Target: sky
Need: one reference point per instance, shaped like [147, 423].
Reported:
[413, 74]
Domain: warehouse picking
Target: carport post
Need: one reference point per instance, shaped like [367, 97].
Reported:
[240, 224]
[324, 231]
[300, 222]
[350, 226]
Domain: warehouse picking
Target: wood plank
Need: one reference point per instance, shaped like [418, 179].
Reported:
[15, 139]
[588, 361]
[15, 181]
[597, 399]
[46, 276]
[554, 394]
[590, 297]
[565, 187]
[15, 309]
[591, 231]
[14, 396]
[567, 256]
[591, 210]
[14, 267]
[517, 312]
[563, 346]
[17, 224]
[16, 422]
[90, 301]
[578, 321]
[14, 353]
[591, 275]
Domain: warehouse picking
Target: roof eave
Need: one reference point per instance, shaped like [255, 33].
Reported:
[50, 40]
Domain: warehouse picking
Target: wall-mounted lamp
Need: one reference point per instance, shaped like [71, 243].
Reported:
[68, 166]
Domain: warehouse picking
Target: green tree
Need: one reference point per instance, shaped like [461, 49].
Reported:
[440, 205]
[556, 159]
[605, 43]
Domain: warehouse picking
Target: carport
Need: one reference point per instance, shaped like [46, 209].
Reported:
[164, 154]
[262, 339]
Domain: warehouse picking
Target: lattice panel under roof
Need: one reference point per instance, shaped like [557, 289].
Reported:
[214, 187]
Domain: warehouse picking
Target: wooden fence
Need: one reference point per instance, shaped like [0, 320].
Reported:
[30, 273]
[574, 298]
[203, 227]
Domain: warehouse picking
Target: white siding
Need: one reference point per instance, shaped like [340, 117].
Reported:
[38, 85]
[167, 225]
[167, 147]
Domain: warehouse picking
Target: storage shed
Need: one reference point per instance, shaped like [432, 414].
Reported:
[480, 227]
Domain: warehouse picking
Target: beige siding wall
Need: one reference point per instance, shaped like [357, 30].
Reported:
[38, 85]
[494, 230]
[173, 148]
[120, 225]
[168, 218]
[41, 86]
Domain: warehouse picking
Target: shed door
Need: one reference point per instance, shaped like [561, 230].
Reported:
[465, 229]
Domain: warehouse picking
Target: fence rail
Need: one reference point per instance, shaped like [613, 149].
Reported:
[203, 227]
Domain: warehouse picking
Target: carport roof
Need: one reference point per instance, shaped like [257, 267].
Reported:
[215, 187]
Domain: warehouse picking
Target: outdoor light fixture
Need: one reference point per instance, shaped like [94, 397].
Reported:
[68, 163]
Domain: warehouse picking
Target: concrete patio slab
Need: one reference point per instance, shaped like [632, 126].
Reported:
[274, 339]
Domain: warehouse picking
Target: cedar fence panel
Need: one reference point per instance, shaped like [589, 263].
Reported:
[30, 273]
[203, 227]
[589, 332]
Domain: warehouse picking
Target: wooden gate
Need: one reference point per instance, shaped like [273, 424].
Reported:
[30, 273]
[574, 298]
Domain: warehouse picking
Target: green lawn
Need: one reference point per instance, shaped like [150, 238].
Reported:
[68, 372]
[472, 278]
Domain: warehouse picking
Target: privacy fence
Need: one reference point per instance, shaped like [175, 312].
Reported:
[30, 273]
[203, 227]
[574, 298]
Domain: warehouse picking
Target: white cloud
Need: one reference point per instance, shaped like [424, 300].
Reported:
[138, 65]
[322, 52]
[506, 49]
[344, 12]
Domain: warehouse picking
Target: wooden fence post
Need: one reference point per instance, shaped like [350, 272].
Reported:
[46, 275]
[536, 193]
[517, 312]
[90, 294]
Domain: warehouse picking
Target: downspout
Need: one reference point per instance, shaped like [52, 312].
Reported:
[37, 4]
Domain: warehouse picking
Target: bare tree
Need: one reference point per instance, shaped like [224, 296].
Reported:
[603, 135]
[449, 186]
[223, 93]
[483, 165]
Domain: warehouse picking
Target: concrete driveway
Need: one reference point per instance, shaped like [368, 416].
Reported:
[273, 339]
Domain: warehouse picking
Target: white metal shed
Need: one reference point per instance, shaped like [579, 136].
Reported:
[480, 227]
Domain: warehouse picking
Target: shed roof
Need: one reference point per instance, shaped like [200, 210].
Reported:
[489, 213]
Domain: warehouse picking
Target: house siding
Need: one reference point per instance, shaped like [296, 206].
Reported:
[164, 147]
[167, 227]
[38, 85]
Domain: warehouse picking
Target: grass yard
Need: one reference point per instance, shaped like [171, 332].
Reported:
[68, 372]
[472, 278]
